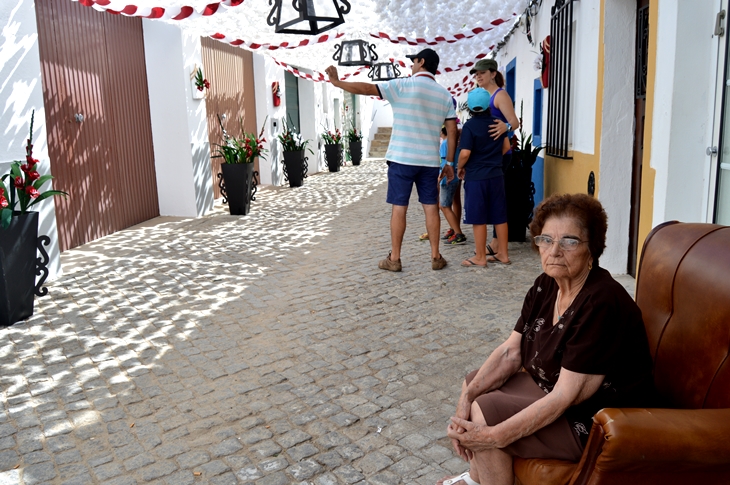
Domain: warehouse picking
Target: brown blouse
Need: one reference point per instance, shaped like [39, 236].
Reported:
[601, 332]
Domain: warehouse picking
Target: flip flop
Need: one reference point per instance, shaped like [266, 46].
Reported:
[468, 263]
[464, 476]
[423, 237]
[494, 259]
[491, 251]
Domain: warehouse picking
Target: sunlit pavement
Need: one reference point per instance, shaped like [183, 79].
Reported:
[264, 349]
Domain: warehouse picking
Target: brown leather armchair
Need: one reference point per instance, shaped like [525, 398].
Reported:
[683, 290]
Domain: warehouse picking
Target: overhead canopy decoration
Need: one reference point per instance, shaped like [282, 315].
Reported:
[162, 9]
[460, 32]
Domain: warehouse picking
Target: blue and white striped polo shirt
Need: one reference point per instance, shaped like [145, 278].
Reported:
[420, 107]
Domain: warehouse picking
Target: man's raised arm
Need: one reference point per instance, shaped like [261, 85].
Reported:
[366, 89]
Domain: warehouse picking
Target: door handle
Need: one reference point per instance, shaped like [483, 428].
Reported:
[711, 151]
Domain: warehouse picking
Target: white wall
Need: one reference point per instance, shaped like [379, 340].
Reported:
[265, 72]
[179, 126]
[684, 94]
[20, 94]
[617, 129]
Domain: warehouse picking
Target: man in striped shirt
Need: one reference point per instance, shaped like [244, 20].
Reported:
[420, 107]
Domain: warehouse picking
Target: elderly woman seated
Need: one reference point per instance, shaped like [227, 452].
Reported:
[579, 345]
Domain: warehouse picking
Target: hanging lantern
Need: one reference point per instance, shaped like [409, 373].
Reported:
[306, 17]
[384, 71]
[355, 53]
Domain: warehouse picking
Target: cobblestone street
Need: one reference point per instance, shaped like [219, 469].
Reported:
[267, 349]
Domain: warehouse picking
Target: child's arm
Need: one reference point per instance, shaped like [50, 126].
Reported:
[463, 159]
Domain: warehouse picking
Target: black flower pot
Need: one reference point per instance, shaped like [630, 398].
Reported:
[356, 152]
[238, 186]
[295, 168]
[333, 155]
[520, 193]
[18, 246]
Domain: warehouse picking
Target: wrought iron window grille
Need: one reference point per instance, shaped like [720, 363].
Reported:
[561, 67]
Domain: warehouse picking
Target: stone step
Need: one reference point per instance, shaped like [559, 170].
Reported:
[382, 136]
[379, 143]
[386, 130]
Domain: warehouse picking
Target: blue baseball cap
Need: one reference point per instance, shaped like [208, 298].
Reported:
[478, 100]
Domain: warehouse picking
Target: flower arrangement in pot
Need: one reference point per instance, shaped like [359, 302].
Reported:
[295, 161]
[519, 187]
[238, 178]
[20, 190]
[333, 149]
[354, 142]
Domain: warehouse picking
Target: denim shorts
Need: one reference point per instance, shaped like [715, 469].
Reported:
[448, 190]
[485, 201]
[401, 179]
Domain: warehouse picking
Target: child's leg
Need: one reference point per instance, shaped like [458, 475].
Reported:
[456, 204]
[480, 241]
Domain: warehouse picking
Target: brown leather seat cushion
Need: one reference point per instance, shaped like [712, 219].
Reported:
[538, 472]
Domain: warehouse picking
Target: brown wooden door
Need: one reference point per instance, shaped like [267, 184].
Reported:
[642, 52]
[230, 72]
[93, 65]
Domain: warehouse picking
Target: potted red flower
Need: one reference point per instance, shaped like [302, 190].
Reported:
[333, 149]
[238, 178]
[20, 190]
[354, 144]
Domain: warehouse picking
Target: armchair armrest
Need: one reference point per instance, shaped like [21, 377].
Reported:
[644, 440]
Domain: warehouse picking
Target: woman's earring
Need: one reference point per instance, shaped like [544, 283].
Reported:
[590, 265]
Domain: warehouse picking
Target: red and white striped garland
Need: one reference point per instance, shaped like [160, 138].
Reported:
[440, 39]
[177, 13]
[272, 47]
[316, 76]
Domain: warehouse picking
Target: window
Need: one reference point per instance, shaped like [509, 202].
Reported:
[561, 65]
[510, 77]
[537, 113]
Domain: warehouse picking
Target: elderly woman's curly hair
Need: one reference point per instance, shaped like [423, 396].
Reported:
[587, 212]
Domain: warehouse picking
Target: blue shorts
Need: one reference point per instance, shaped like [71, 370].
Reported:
[485, 201]
[401, 179]
[446, 197]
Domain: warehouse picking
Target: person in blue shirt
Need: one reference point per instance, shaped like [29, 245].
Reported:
[450, 197]
[480, 166]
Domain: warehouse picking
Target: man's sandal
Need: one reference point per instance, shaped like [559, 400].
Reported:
[464, 476]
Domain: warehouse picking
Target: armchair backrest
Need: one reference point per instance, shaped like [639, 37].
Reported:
[683, 290]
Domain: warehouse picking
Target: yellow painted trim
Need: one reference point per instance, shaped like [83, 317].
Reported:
[648, 173]
[570, 176]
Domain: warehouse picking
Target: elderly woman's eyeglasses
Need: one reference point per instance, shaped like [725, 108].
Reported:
[565, 243]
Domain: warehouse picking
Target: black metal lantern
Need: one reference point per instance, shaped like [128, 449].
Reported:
[355, 53]
[384, 71]
[307, 17]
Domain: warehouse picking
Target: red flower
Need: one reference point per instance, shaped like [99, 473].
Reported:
[206, 84]
[19, 183]
[32, 192]
[33, 175]
[3, 202]
[26, 167]
[200, 88]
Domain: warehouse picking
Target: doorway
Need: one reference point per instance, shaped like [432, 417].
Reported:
[640, 71]
[98, 120]
[291, 90]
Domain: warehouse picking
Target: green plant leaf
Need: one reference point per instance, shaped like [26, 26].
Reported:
[5, 216]
[45, 195]
[42, 180]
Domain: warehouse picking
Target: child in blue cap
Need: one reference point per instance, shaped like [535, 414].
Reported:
[480, 166]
